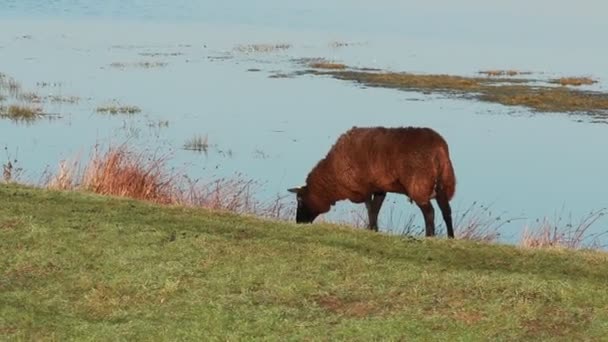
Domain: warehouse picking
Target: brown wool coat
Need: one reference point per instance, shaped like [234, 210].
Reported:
[409, 160]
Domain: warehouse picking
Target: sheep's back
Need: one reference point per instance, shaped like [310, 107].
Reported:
[378, 158]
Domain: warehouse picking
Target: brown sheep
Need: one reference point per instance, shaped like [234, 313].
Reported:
[366, 163]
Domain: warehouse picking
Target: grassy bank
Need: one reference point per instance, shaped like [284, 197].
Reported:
[83, 266]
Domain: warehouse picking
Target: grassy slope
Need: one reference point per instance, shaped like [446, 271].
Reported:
[82, 266]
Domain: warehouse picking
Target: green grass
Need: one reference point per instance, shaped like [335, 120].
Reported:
[85, 267]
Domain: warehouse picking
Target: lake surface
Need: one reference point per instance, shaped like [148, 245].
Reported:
[274, 130]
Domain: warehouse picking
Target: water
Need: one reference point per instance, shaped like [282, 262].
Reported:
[523, 164]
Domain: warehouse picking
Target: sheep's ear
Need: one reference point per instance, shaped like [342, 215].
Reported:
[294, 190]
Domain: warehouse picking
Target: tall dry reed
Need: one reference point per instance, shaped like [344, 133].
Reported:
[120, 171]
[565, 233]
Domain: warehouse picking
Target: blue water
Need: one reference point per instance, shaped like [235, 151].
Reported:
[523, 164]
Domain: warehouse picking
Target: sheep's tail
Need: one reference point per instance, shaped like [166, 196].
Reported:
[446, 182]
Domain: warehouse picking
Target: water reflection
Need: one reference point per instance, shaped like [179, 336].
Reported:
[276, 129]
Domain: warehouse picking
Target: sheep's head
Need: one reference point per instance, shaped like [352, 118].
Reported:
[306, 212]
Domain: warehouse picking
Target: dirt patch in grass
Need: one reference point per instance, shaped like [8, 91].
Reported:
[509, 91]
[8, 330]
[10, 224]
[21, 275]
[105, 302]
[554, 321]
[339, 306]
[468, 317]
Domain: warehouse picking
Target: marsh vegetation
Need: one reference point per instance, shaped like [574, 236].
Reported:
[117, 108]
[138, 64]
[262, 48]
[197, 143]
[496, 88]
[21, 113]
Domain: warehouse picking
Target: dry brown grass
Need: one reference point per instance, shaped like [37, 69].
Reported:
[564, 233]
[11, 171]
[120, 171]
[62, 99]
[547, 99]
[26, 113]
[408, 81]
[10, 85]
[66, 177]
[351, 307]
[328, 65]
[478, 222]
[507, 91]
[16, 91]
[574, 81]
[27, 106]
[498, 72]
[118, 109]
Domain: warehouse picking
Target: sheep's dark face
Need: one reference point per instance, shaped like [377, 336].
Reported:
[305, 212]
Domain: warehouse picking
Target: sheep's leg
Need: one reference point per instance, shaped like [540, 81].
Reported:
[368, 206]
[446, 211]
[429, 217]
[373, 205]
